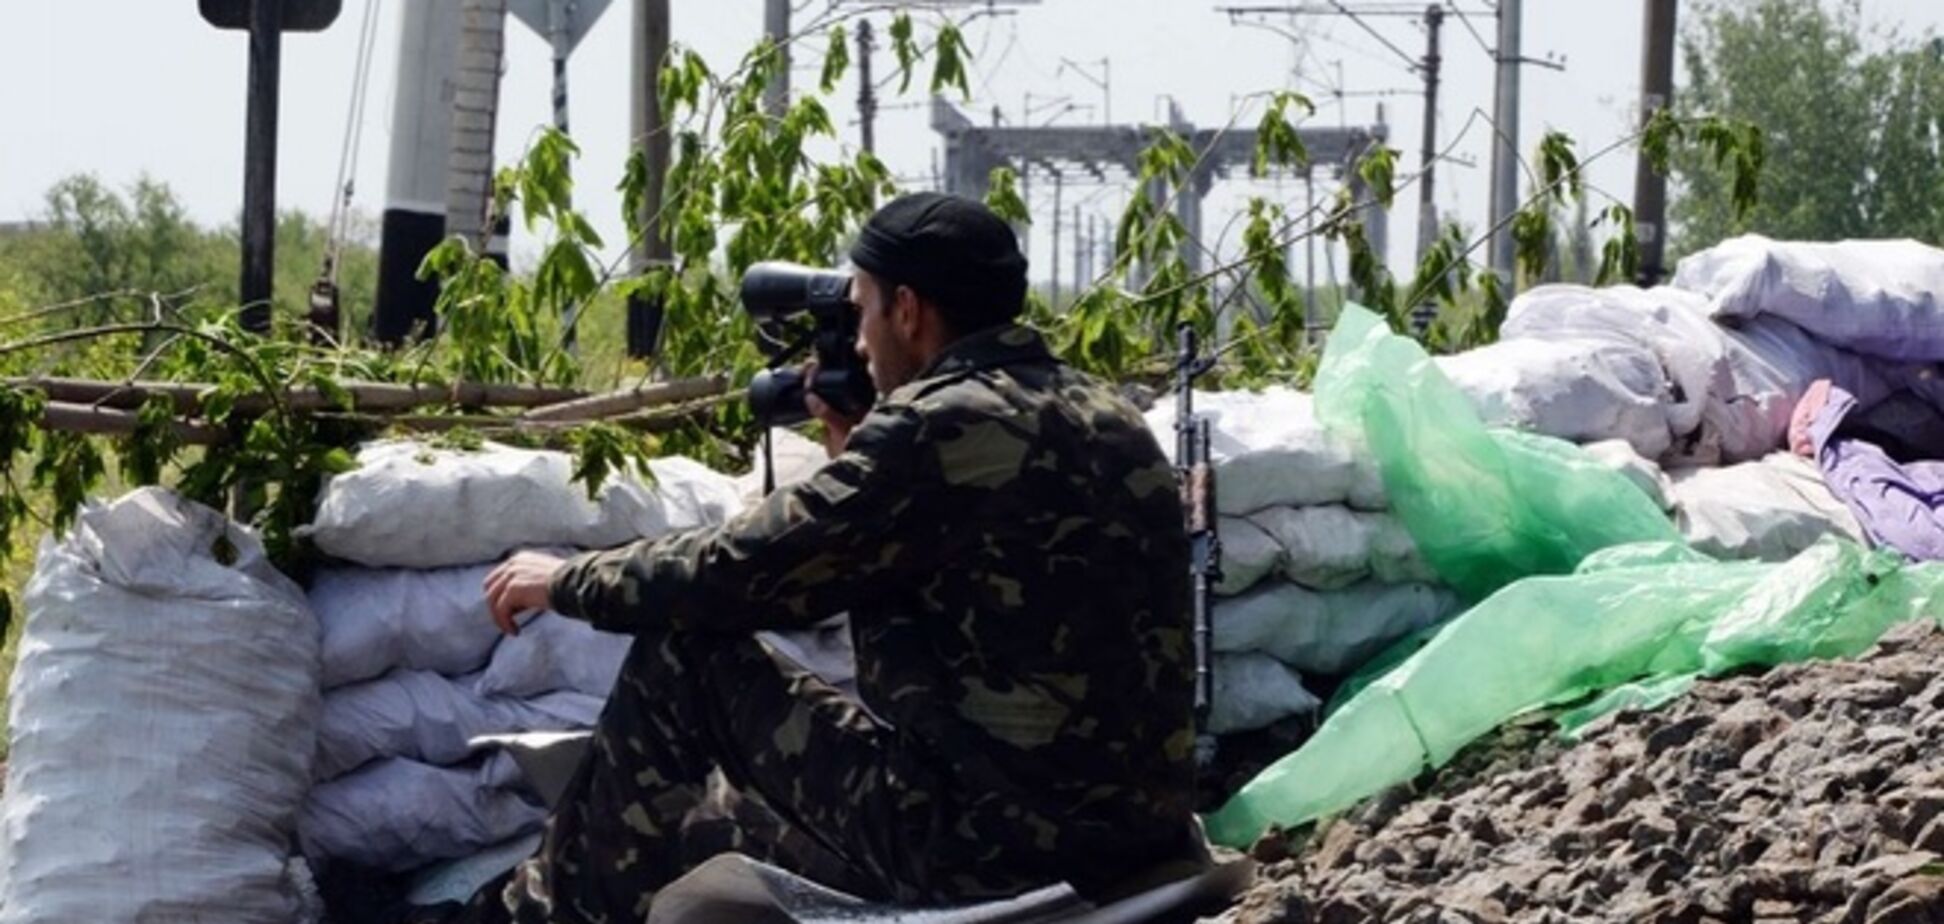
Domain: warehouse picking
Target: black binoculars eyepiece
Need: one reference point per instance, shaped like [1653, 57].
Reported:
[776, 294]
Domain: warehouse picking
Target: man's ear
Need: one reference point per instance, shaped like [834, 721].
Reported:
[907, 312]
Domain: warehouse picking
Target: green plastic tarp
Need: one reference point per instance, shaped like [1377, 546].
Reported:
[1643, 629]
[1637, 618]
[1486, 507]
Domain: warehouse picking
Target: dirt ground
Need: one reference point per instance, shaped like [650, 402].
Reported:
[1811, 792]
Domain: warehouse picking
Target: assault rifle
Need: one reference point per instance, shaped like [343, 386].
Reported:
[1197, 476]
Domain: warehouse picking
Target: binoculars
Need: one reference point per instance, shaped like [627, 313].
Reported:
[797, 309]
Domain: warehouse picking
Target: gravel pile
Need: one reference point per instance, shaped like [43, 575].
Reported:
[1811, 792]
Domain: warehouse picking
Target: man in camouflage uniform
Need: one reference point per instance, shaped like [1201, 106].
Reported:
[1007, 538]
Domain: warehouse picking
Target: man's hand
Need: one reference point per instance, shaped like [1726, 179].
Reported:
[837, 427]
[519, 585]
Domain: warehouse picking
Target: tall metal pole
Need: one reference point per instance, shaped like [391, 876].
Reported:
[1310, 319]
[867, 105]
[646, 118]
[560, 32]
[1059, 180]
[1026, 196]
[776, 24]
[1656, 93]
[1505, 152]
[1426, 312]
[1427, 207]
[1081, 275]
[260, 166]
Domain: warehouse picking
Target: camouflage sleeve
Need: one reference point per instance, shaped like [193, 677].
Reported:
[805, 553]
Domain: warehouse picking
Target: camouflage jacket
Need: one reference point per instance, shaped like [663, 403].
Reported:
[1008, 540]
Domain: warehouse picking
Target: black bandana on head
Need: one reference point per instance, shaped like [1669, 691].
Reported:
[949, 249]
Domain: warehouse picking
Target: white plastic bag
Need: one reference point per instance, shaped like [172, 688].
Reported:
[1647, 476]
[398, 815]
[1671, 323]
[1269, 451]
[411, 506]
[427, 717]
[553, 653]
[1326, 634]
[1248, 555]
[375, 620]
[1771, 364]
[1768, 510]
[797, 457]
[1879, 298]
[1581, 388]
[1331, 546]
[1254, 690]
[163, 713]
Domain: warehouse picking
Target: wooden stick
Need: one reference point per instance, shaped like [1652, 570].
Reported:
[601, 407]
[366, 396]
[81, 418]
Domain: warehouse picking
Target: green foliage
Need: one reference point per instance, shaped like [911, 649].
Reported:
[1559, 168]
[1620, 257]
[152, 446]
[951, 57]
[1849, 143]
[139, 245]
[904, 48]
[1532, 232]
[1003, 198]
[836, 60]
[69, 467]
[1378, 167]
[604, 449]
[1277, 141]
[503, 327]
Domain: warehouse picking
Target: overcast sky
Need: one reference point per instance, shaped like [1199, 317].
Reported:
[121, 88]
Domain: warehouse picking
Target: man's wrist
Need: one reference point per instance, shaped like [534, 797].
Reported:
[563, 589]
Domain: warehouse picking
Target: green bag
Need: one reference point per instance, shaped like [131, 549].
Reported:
[1485, 507]
[1643, 627]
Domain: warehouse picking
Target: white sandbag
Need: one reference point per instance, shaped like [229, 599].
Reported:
[1327, 634]
[423, 716]
[162, 716]
[1269, 451]
[1771, 364]
[1645, 475]
[375, 620]
[1671, 323]
[1581, 389]
[1768, 510]
[1878, 298]
[1248, 555]
[553, 653]
[797, 458]
[1394, 557]
[398, 815]
[1254, 690]
[1332, 546]
[1323, 547]
[1367, 486]
[411, 506]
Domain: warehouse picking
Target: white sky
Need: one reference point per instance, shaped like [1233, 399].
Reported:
[125, 87]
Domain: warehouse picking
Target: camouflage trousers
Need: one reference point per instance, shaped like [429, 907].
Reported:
[816, 785]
